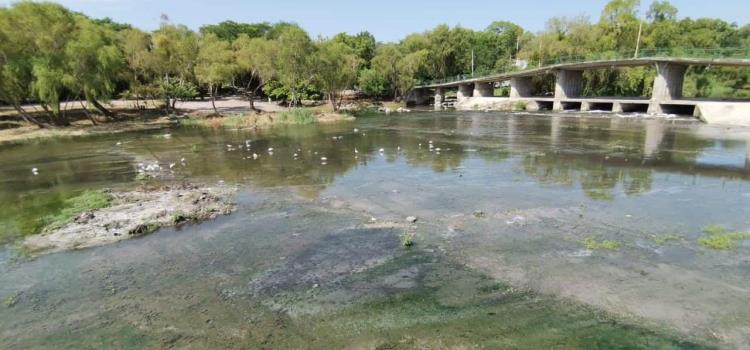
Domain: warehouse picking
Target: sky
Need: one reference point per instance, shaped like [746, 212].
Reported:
[387, 20]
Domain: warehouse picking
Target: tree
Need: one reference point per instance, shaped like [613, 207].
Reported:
[231, 31]
[134, 45]
[336, 67]
[93, 63]
[256, 58]
[294, 60]
[408, 68]
[173, 59]
[363, 45]
[660, 11]
[373, 83]
[215, 64]
[386, 64]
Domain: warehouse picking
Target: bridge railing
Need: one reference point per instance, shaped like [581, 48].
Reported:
[676, 52]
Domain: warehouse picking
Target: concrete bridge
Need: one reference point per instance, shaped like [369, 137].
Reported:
[666, 97]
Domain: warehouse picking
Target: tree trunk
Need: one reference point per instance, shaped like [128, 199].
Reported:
[107, 113]
[27, 117]
[86, 111]
[213, 97]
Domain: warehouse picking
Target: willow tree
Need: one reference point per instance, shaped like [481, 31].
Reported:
[293, 61]
[215, 64]
[35, 35]
[256, 58]
[93, 64]
[336, 67]
[135, 47]
[173, 59]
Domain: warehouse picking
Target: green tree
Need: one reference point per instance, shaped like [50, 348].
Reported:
[293, 61]
[215, 65]
[373, 83]
[385, 63]
[256, 58]
[173, 59]
[231, 31]
[93, 64]
[336, 67]
[363, 45]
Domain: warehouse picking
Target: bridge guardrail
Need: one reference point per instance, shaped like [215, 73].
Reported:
[681, 52]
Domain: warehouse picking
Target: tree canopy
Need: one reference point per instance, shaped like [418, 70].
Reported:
[51, 55]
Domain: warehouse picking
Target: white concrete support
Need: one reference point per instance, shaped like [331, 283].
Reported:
[439, 97]
[484, 90]
[520, 87]
[464, 92]
[568, 84]
[585, 106]
[667, 85]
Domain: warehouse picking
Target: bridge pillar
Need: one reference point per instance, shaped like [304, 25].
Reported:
[667, 85]
[520, 87]
[464, 92]
[418, 97]
[439, 97]
[568, 84]
[484, 89]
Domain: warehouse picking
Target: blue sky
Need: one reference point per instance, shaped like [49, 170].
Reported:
[388, 20]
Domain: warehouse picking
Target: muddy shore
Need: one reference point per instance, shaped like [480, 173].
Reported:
[134, 213]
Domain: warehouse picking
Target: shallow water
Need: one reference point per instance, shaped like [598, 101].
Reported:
[312, 257]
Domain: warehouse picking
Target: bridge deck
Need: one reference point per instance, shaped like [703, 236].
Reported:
[633, 62]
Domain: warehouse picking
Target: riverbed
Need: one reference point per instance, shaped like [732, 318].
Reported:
[530, 231]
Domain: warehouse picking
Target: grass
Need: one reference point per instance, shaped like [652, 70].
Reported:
[663, 239]
[86, 201]
[407, 239]
[299, 116]
[719, 238]
[519, 106]
[593, 244]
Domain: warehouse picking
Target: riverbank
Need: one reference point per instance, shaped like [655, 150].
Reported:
[232, 113]
[121, 215]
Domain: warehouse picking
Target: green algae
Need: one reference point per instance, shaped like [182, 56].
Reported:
[594, 244]
[719, 238]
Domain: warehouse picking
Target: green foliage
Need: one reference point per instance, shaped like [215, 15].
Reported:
[593, 244]
[720, 238]
[300, 116]
[407, 239]
[663, 239]
[86, 201]
[231, 31]
[335, 66]
[373, 83]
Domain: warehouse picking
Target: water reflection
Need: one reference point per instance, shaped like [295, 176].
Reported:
[601, 157]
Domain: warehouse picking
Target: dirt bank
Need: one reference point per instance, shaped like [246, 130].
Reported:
[133, 213]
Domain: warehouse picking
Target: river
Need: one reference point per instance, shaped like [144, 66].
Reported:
[533, 231]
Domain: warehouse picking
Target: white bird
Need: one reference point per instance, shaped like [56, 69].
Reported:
[295, 155]
[35, 171]
[356, 130]
[119, 143]
[255, 156]
[382, 150]
[355, 151]
[171, 165]
[323, 159]
[270, 149]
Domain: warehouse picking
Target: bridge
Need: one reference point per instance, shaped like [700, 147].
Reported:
[477, 92]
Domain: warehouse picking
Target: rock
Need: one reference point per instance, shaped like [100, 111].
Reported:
[84, 217]
[411, 219]
[479, 214]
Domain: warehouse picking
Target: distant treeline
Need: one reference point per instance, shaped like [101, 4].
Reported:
[50, 55]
